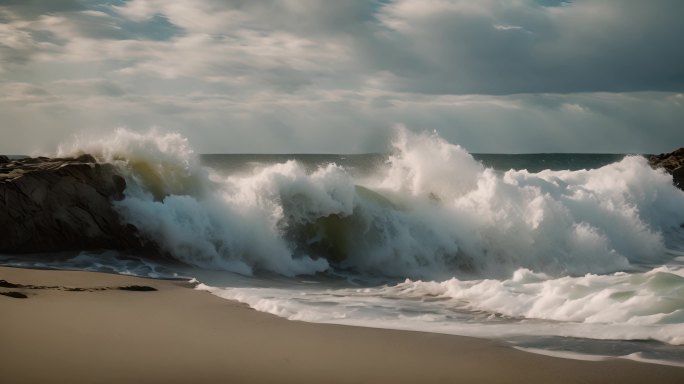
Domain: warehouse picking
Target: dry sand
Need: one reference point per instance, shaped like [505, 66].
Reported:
[180, 335]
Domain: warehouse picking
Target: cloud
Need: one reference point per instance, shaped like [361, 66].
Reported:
[429, 46]
[32, 9]
[323, 76]
[504, 47]
[352, 121]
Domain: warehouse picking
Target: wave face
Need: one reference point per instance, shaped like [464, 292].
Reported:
[431, 211]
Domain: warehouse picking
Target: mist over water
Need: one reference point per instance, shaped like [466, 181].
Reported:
[428, 237]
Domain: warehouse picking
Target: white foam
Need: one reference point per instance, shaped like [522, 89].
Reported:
[591, 357]
[564, 354]
[638, 357]
[485, 253]
[650, 305]
[560, 222]
[644, 306]
[432, 213]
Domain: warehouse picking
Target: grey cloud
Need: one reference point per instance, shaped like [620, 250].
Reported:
[553, 3]
[335, 76]
[495, 47]
[157, 28]
[89, 87]
[354, 122]
[601, 45]
[31, 9]
[458, 47]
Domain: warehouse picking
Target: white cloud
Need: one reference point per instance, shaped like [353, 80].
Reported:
[317, 76]
[573, 107]
[500, 27]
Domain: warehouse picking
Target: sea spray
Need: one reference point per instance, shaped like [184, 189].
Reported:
[154, 163]
[432, 212]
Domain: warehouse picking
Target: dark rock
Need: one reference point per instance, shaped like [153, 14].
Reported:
[16, 295]
[673, 163]
[62, 204]
[75, 289]
[4, 159]
[678, 177]
[137, 288]
[7, 284]
[669, 161]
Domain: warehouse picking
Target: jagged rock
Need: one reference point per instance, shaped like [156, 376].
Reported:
[669, 161]
[673, 163]
[678, 177]
[61, 204]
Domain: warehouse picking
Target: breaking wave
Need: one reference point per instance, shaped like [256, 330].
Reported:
[621, 306]
[592, 253]
[431, 212]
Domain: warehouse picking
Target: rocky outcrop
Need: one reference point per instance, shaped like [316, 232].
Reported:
[673, 163]
[60, 204]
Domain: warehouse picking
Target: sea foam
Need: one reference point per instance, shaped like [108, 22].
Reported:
[463, 248]
[431, 212]
[638, 306]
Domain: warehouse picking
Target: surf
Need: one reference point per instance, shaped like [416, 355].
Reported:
[427, 237]
[430, 211]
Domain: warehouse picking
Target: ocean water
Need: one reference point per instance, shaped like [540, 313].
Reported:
[567, 254]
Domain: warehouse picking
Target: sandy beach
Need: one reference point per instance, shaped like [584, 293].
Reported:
[103, 334]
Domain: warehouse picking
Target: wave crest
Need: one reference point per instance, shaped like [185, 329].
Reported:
[431, 211]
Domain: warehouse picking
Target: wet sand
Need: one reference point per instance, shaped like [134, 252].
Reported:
[80, 327]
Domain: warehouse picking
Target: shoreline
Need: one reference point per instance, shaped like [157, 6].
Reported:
[101, 333]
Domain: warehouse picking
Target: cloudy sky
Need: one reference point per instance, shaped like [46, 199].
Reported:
[322, 76]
